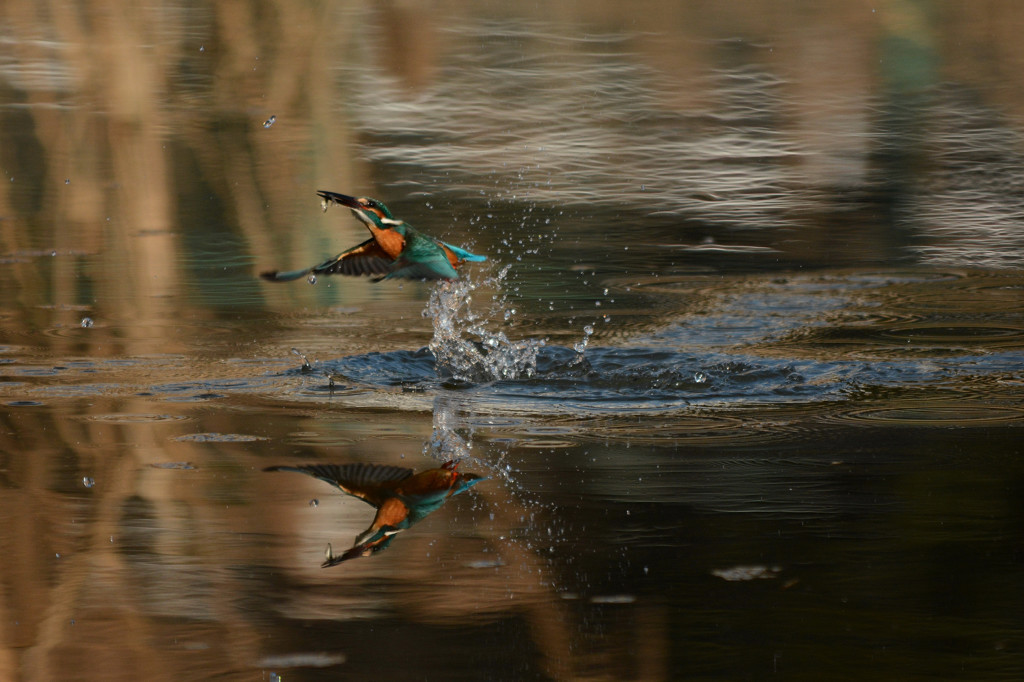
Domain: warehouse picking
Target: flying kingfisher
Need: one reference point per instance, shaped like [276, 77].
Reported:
[394, 249]
[401, 497]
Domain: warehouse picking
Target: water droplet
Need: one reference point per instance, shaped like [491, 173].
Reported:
[700, 377]
[306, 366]
[270, 121]
[311, 279]
[53, 254]
[67, 181]
[88, 482]
[202, 48]
[314, 503]
[87, 322]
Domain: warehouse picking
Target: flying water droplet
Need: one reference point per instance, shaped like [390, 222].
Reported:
[270, 121]
[581, 345]
[87, 322]
[314, 503]
[311, 279]
[700, 377]
[306, 366]
[88, 482]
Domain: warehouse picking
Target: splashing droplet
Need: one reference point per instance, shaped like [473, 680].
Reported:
[306, 366]
[88, 482]
[490, 356]
[581, 345]
[87, 322]
[270, 121]
[311, 279]
[700, 377]
[314, 503]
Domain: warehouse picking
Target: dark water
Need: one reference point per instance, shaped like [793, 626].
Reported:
[744, 370]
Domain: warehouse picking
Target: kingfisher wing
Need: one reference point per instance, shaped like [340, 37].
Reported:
[371, 483]
[367, 258]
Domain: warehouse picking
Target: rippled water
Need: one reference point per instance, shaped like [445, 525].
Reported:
[742, 372]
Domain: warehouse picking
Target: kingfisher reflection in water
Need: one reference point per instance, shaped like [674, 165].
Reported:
[400, 496]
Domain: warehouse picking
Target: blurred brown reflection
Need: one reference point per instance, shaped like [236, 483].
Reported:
[138, 128]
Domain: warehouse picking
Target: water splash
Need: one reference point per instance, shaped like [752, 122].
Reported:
[463, 348]
[446, 442]
[306, 365]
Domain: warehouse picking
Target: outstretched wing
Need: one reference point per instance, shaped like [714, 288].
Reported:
[367, 258]
[364, 259]
[369, 482]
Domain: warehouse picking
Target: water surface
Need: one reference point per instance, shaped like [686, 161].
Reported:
[743, 371]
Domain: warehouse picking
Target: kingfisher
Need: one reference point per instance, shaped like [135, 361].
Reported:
[401, 497]
[394, 250]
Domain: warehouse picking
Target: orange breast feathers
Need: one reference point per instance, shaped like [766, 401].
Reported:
[391, 513]
[390, 241]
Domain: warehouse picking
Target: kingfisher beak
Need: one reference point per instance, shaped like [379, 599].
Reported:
[340, 199]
